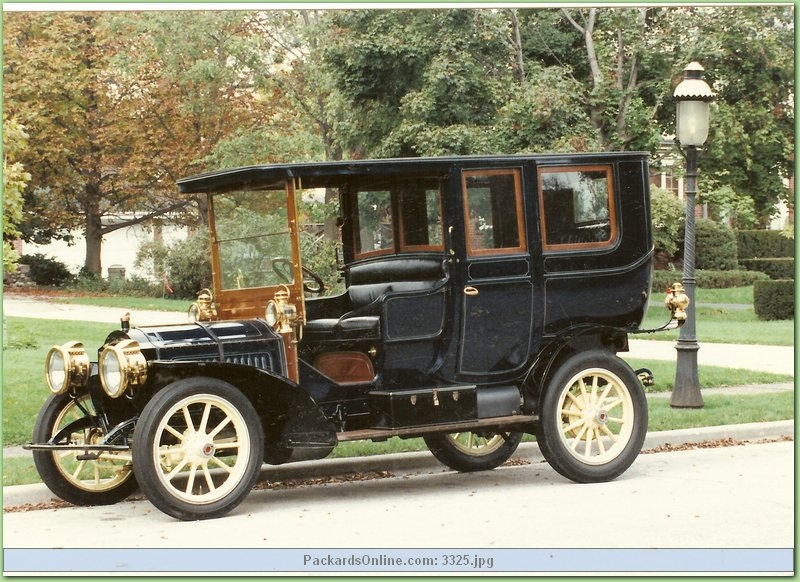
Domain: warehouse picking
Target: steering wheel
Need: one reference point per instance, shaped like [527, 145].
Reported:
[312, 283]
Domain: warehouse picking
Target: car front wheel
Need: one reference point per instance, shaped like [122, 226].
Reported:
[81, 477]
[593, 418]
[470, 451]
[198, 448]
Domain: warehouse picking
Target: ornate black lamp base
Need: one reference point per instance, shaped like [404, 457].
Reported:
[686, 391]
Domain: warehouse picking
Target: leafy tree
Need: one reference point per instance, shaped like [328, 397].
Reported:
[420, 82]
[748, 54]
[122, 104]
[15, 178]
[56, 84]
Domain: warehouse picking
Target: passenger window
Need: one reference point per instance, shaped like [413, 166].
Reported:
[375, 231]
[411, 205]
[494, 215]
[577, 207]
[420, 219]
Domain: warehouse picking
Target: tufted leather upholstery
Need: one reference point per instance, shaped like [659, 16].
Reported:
[369, 286]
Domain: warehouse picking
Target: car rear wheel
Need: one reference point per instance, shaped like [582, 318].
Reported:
[471, 451]
[593, 418]
[79, 477]
[198, 448]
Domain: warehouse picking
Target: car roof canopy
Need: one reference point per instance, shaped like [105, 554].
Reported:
[328, 174]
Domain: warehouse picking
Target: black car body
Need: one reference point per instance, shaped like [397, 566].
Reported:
[484, 297]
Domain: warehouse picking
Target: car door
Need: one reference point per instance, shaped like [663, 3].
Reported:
[498, 292]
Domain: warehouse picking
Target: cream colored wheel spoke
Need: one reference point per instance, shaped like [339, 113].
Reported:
[220, 426]
[204, 420]
[190, 480]
[174, 433]
[209, 480]
[221, 464]
[177, 469]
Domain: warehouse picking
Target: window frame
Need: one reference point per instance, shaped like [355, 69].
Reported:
[399, 244]
[357, 252]
[612, 207]
[522, 247]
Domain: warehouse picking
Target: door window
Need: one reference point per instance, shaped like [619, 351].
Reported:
[494, 215]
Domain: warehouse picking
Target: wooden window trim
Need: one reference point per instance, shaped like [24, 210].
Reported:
[612, 208]
[517, 174]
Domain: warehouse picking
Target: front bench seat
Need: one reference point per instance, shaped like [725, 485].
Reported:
[367, 294]
[362, 321]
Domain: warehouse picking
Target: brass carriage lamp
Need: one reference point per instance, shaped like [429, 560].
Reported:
[693, 97]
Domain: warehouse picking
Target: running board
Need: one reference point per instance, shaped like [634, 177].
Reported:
[102, 448]
[501, 422]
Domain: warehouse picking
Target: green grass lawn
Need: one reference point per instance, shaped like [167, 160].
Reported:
[724, 325]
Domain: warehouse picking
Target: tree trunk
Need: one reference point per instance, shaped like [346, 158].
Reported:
[516, 41]
[93, 228]
[94, 243]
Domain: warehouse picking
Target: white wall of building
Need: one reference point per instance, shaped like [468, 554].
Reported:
[119, 248]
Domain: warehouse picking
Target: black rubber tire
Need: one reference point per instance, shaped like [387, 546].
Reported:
[102, 482]
[181, 495]
[481, 452]
[619, 407]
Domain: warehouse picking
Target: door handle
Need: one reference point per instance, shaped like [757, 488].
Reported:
[471, 291]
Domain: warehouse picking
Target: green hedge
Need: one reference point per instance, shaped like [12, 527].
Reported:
[777, 268]
[755, 244]
[773, 299]
[708, 279]
[716, 246]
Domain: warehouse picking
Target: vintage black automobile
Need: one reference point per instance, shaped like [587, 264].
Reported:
[484, 298]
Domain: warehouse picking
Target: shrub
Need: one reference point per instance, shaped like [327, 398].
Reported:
[760, 244]
[715, 246]
[188, 265]
[773, 299]
[47, 270]
[185, 263]
[777, 268]
[668, 216]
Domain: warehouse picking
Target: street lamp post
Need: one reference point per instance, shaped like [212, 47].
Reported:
[693, 96]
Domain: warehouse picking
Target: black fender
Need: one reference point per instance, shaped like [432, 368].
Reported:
[558, 348]
[295, 428]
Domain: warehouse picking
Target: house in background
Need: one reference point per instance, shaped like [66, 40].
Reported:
[119, 250]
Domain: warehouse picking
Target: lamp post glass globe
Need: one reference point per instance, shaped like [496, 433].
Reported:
[693, 96]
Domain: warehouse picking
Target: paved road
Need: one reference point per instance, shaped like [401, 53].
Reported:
[729, 497]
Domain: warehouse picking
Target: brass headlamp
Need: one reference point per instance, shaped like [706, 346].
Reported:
[122, 365]
[66, 367]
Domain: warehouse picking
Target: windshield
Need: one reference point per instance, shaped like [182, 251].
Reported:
[253, 239]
